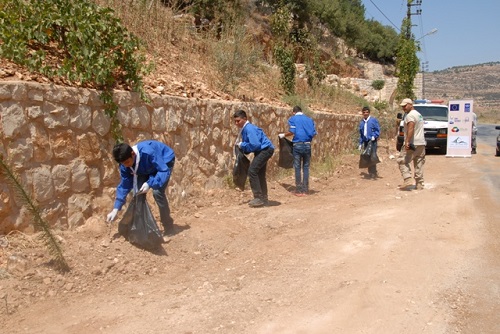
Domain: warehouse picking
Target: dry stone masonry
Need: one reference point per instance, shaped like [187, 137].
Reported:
[57, 140]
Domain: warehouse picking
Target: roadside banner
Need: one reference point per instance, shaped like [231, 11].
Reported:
[459, 128]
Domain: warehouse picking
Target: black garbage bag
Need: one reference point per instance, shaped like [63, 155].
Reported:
[285, 159]
[138, 225]
[240, 169]
[368, 156]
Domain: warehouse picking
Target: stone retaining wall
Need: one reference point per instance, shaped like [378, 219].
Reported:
[57, 139]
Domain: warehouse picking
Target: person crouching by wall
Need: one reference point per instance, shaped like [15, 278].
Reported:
[253, 140]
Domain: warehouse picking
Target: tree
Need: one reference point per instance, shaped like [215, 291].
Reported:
[407, 63]
[378, 85]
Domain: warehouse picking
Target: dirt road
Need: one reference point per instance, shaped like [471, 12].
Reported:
[356, 256]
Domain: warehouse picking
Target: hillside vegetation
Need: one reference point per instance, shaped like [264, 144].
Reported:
[271, 51]
[477, 82]
[244, 49]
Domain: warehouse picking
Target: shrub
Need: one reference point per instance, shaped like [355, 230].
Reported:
[235, 57]
[75, 40]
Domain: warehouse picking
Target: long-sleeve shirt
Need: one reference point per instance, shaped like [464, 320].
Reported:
[153, 159]
[254, 139]
[372, 129]
[302, 127]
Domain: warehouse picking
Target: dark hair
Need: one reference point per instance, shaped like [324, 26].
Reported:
[297, 109]
[365, 108]
[240, 113]
[122, 152]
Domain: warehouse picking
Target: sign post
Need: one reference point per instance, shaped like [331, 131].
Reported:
[459, 128]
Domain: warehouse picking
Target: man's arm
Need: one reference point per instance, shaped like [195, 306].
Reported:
[409, 134]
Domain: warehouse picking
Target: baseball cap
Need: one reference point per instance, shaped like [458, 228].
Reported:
[405, 102]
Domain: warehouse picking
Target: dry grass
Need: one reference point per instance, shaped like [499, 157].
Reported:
[186, 61]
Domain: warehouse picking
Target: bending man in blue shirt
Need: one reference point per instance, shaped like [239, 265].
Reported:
[254, 140]
[303, 130]
[146, 165]
[369, 131]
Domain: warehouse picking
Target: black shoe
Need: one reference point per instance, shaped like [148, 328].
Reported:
[474, 151]
[169, 231]
[256, 202]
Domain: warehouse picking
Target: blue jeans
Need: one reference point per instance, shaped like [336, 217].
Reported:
[160, 196]
[301, 162]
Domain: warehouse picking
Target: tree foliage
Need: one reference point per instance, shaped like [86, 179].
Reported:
[75, 40]
[343, 18]
[407, 63]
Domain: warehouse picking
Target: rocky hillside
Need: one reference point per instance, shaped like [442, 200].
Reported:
[478, 82]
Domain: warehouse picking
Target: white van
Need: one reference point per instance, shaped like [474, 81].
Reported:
[435, 117]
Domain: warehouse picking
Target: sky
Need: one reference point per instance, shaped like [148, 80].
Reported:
[468, 31]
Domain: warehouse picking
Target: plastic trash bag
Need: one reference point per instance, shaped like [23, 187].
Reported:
[285, 159]
[240, 169]
[368, 156]
[138, 225]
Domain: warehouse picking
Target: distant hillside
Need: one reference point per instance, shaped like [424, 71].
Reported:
[478, 82]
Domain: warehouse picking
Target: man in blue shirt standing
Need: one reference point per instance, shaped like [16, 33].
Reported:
[369, 131]
[303, 130]
[254, 140]
[146, 165]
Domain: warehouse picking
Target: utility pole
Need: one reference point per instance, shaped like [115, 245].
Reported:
[407, 62]
[425, 67]
[411, 3]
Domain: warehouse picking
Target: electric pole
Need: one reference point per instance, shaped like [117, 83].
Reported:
[407, 62]
[425, 67]
[411, 3]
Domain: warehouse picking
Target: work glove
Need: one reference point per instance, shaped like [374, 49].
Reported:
[238, 144]
[112, 215]
[373, 138]
[144, 188]
[360, 147]
[281, 135]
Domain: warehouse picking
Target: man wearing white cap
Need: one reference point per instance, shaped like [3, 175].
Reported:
[413, 148]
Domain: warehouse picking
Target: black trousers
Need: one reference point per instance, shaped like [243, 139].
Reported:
[257, 173]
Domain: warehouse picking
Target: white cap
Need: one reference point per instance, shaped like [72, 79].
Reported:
[405, 102]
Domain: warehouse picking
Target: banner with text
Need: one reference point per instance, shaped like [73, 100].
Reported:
[459, 128]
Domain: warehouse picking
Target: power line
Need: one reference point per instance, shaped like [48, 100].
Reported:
[424, 51]
[373, 3]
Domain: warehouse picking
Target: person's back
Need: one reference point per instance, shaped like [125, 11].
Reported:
[303, 126]
[303, 130]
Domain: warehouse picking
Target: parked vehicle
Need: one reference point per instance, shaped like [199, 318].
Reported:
[435, 117]
[498, 142]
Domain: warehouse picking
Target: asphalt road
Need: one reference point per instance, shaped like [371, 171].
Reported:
[487, 134]
[489, 171]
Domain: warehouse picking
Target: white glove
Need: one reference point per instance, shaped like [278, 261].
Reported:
[281, 135]
[144, 188]
[360, 147]
[373, 138]
[238, 144]
[112, 215]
